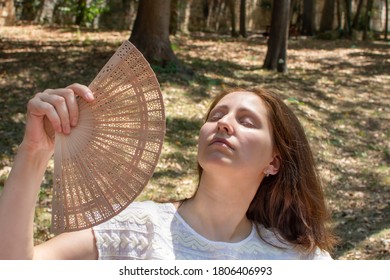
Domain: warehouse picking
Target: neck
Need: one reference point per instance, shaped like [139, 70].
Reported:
[218, 210]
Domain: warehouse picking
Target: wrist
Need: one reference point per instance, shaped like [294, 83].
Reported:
[36, 158]
[35, 151]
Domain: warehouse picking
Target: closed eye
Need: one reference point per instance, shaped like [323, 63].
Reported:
[247, 122]
[215, 117]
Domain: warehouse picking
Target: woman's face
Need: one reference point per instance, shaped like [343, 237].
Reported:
[237, 136]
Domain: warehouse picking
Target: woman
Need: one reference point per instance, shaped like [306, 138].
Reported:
[259, 196]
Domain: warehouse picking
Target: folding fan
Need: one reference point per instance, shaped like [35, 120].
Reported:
[109, 157]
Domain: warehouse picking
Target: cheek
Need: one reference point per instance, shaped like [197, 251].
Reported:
[202, 138]
[258, 150]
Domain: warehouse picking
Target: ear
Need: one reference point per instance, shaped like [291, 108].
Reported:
[274, 165]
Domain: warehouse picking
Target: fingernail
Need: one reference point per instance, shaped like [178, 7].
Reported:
[67, 129]
[90, 96]
[73, 122]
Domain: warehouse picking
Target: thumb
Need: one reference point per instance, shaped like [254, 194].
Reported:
[48, 128]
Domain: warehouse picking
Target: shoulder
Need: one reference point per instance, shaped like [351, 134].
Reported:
[139, 213]
[321, 255]
[131, 233]
[148, 205]
[278, 248]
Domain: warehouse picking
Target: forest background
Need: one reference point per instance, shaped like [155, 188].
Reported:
[328, 59]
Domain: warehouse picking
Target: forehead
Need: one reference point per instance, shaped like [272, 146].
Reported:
[243, 100]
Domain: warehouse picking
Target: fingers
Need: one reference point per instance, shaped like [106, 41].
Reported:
[38, 109]
[60, 106]
[82, 91]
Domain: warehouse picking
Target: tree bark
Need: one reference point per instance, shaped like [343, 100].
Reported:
[8, 13]
[367, 19]
[151, 32]
[232, 10]
[186, 20]
[355, 24]
[174, 17]
[386, 18]
[348, 24]
[276, 58]
[327, 17]
[308, 17]
[216, 14]
[46, 12]
[81, 8]
[28, 10]
[121, 11]
[339, 14]
[243, 18]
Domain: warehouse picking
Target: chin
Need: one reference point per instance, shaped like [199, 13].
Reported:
[216, 164]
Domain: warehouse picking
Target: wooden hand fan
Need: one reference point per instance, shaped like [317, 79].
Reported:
[109, 157]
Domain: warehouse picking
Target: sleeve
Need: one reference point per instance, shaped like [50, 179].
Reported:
[321, 255]
[127, 235]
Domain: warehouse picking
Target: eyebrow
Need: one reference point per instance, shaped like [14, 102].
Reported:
[220, 107]
[259, 118]
[243, 109]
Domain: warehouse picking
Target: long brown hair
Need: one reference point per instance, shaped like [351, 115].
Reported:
[292, 202]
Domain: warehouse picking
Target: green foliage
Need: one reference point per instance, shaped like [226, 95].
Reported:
[293, 100]
[95, 8]
[86, 11]
[169, 68]
[175, 47]
[338, 89]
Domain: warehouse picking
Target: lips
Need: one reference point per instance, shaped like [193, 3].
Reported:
[221, 141]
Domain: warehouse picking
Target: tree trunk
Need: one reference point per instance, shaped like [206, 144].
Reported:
[367, 19]
[386, 18]
[216, 15]
[46, 14]
[338, 13]
[7, 13]
[232, 10]
[28, 10]
[276, 58]
[174, 17]
[243, 18]
[327, 17]
[151, 32]
[347, 25]
[117, 16]
[308, 17]
[186, 20]
[81, 8]
[207, 12]
[355, 24]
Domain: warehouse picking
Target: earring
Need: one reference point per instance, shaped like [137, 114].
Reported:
[266, 172]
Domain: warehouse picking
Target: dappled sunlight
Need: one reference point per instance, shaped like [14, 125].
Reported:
[338, 89]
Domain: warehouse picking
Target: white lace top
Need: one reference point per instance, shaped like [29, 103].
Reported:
[150, 230]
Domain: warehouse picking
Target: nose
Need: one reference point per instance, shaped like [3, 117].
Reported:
[224, 125]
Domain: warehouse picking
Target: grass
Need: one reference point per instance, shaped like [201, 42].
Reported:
[339, 90]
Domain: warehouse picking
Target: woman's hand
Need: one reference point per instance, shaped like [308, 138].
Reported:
[50, 111]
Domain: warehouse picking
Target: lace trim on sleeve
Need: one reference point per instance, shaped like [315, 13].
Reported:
[127, 235]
